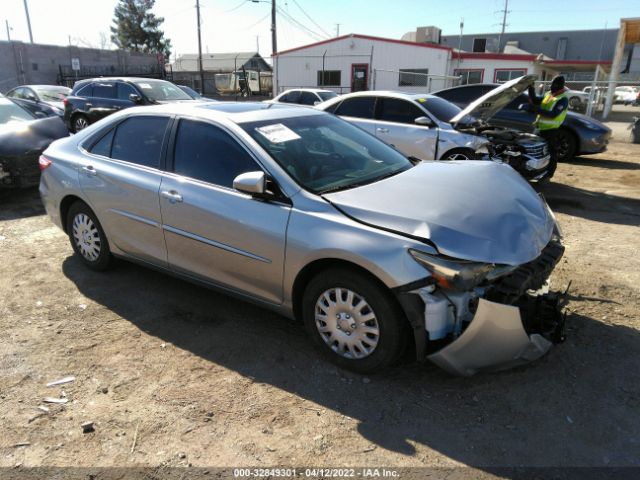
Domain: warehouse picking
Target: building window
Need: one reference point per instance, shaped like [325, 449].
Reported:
[469, 76]
[505, 74]
[413, 77]
[329, 78]
[479, 44]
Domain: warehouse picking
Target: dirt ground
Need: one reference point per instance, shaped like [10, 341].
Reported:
[175, 375]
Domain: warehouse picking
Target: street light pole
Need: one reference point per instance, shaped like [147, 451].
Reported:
[200, 50]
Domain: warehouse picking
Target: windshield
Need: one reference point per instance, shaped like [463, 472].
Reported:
[52, 94]
[10, 112]
[444, 110]
[324, 153]
[190, 91]
[161, 91]
[327, 95]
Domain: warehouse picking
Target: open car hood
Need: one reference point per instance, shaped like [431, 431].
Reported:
[492, 102]
[470, 210]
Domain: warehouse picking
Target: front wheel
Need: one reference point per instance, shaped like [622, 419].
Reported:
[459, 154]
[354, 321]
[87, 237]
[566, 145]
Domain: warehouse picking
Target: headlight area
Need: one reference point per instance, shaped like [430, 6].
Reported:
[476, 316]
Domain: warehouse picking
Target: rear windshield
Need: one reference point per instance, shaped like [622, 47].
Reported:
[52, 94]
[10, 112]
[327, 95]
[161, 91]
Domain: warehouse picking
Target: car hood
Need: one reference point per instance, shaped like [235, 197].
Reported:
[492, 102]
[20, 137]
[471, 210]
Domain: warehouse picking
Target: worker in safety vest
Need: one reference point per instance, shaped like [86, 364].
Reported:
[552, 110]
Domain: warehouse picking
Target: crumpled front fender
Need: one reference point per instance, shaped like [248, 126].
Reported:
[494, 340]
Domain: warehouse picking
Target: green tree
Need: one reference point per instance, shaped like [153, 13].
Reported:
[136, 28]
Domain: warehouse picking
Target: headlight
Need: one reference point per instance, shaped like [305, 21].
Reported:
[482, 149]
[459, 275]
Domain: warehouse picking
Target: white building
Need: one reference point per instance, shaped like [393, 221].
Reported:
[361, 62]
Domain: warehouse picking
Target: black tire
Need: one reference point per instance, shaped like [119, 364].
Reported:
[79, 122]
[389, 319]
[567, 145]
[460, 154]
[94, 235]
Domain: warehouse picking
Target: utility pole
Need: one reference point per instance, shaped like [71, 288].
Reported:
[258, 44]
[6, 22]
[460, 41]
[26, 10]
[199, 49]
[337, 29]
[274, 38]
[504, 23]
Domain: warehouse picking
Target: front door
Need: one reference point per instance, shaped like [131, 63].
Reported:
[212, 231]
[359, 77]
[395, 124]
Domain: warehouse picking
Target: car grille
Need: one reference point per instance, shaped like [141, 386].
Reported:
[537, 150]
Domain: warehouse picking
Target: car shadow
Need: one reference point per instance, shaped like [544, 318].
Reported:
[596, 206]
[543, 414]
[603, 163]
[20, 203]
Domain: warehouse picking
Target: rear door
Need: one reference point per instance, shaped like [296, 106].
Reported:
[103, 101]
[121, 177]
[359, 111]
[214, 232]
[396, 125]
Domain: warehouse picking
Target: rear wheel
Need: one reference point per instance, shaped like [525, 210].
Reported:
[87, 237]
[80, 122]
[353, 320]
[459, 154]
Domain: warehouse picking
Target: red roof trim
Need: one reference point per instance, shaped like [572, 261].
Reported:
[493, 56]
[367, 37]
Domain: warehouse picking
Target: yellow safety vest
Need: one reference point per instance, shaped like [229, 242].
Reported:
[548, 102]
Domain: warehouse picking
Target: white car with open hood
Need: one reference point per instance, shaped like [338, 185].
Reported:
[431, 128]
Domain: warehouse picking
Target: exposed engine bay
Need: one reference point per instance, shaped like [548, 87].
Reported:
[526, 153]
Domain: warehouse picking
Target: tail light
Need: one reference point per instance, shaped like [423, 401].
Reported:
[43, 162]
[65, 102]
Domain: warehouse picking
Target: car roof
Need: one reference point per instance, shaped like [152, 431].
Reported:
[40, 86]
[236, 112]
[383, 93]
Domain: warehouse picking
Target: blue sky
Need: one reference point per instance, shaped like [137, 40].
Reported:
[232, 25]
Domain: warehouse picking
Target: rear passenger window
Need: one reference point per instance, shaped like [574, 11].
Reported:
[360, 107]
[292, 97]
[139, 140]
[85, 91]
[104, 90]
[205, 152]
[103, 146]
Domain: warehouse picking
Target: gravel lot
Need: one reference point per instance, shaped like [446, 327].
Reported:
[174, 375]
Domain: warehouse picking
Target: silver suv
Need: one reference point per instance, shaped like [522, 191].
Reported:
[308, 215]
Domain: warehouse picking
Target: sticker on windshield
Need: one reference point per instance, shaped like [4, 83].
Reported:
[277, 133]
[144, 85]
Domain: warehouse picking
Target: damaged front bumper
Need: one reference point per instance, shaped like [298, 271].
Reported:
[496, 338]
[509, 323]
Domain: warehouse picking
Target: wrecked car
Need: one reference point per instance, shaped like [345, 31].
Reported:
[22, 139]
[302, 212]
[432, 128]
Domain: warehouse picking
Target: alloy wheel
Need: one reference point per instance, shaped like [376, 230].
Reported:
[86, 237]
[458, 156]
[347, 323]
[80, 123]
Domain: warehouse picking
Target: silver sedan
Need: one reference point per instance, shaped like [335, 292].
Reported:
[301, 212]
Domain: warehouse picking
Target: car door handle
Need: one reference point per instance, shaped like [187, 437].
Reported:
[171, 195]
[89, 170]
[382, 130]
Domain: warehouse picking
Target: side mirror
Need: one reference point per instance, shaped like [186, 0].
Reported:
[135, 98]
[40, 114]
[424, 121]
[317, 102]
[253, 183]
[32, 98]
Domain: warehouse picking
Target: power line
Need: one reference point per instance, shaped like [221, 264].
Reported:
[312, 20]
[300, 26]
[243, 2]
